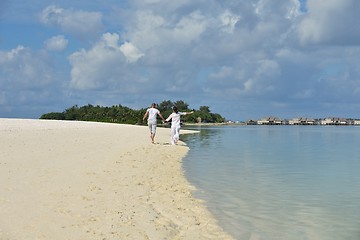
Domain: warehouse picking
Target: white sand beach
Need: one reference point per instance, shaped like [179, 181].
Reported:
[83, 180]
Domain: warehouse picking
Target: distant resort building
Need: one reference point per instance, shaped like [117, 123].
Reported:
[270, 121]
[304, 121]
[335, 121]
[356, 122]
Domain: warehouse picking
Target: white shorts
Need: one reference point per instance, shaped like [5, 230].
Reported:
[152, 126]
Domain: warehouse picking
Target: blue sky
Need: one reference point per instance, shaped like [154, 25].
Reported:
[246, 59]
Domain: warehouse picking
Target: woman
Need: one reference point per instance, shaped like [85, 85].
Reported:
[175, 124]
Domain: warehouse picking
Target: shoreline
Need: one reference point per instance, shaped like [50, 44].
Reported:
[86, 180]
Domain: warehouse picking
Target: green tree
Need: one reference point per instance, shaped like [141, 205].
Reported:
[72, 113]
[122, 114]
[181, 105]
[53, 115]
[165, 105]
[204, 109]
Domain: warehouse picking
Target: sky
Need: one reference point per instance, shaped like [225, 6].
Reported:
[245, 59]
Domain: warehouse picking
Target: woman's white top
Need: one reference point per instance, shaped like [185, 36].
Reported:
[175, 118]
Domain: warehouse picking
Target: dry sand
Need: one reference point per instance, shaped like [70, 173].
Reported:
[82, 180]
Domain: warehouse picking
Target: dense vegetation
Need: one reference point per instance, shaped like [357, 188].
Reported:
[122, 114]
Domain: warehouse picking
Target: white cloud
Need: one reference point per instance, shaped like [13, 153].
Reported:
[56, 43]
[131, 52]
[293, 9]
[24, 69]
[253, 78]
[331, 22]
[228, 21]
[52, 15]
[161, 39]
[27, 82]
[281, 9]
[76, 22]
[193, 35]
[103, 66]
[189, 28]
[147, 30]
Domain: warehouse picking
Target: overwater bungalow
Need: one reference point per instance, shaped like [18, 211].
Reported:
[302, 121]
[270, 121]
[335, 121]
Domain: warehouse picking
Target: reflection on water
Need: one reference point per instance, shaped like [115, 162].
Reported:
[279, 182]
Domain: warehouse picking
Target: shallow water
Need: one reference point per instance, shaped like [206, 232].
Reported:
[279, 182]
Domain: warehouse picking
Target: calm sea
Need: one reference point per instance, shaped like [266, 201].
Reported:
[279, 182]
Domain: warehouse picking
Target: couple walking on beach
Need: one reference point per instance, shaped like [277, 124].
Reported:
[152, 113]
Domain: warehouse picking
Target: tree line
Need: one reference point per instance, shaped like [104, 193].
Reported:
[126, 115]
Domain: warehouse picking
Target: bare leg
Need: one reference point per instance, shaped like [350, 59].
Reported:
[152, 136]
[152, 128]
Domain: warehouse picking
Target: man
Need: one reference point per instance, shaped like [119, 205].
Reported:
[152, 115]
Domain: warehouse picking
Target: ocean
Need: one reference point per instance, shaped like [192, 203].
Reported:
[278, 182]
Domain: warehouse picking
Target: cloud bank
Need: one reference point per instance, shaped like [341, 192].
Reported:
[245, 59]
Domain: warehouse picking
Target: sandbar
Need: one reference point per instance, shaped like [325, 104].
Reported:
[85, 180]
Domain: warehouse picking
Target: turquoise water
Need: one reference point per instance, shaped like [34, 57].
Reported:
[279, 182]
